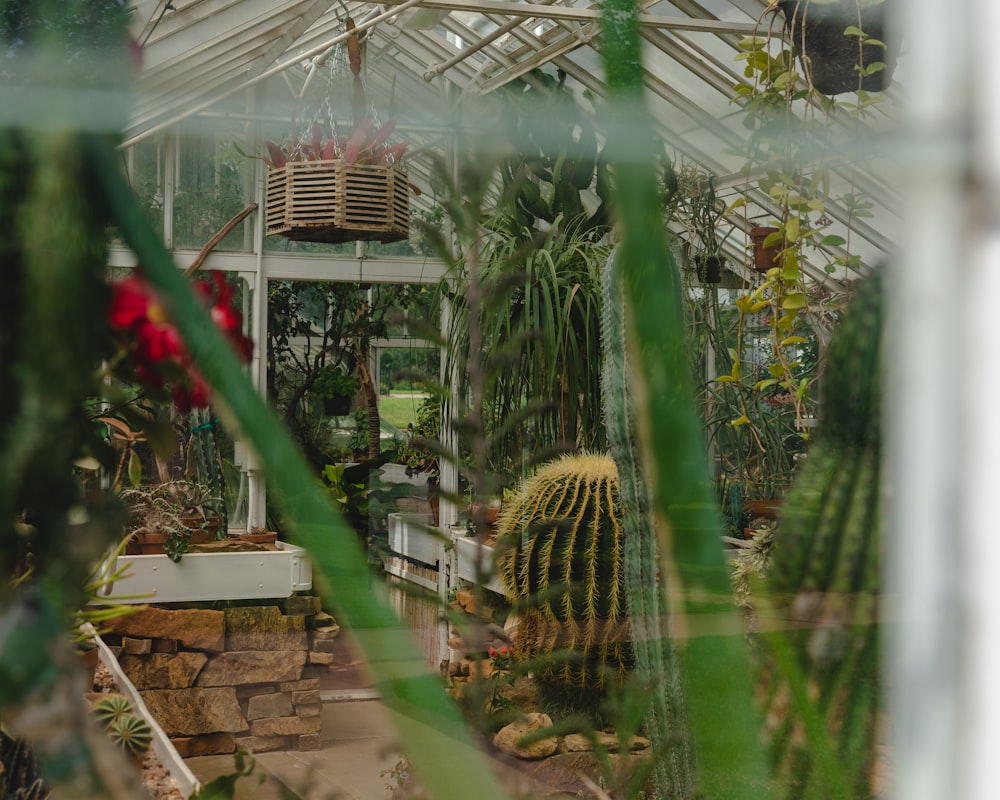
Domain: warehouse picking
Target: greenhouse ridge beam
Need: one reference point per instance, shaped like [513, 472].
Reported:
[538, 11]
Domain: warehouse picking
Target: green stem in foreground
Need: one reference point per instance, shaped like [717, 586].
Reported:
[724, 726]
[433, 734]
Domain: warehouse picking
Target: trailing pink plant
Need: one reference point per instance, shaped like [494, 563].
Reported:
[363, 146]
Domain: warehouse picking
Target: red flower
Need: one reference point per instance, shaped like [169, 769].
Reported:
[155, 348]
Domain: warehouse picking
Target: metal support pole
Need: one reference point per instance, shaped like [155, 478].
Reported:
[927, 433]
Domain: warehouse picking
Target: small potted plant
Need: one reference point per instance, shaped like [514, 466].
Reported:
[169, 517]
[336, 388]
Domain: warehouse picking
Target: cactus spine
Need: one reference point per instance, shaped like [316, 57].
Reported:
[655, 660]
[561, 562]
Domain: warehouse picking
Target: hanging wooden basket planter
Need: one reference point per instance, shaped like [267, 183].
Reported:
[333, 202]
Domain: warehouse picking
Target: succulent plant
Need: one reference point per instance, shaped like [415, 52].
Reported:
[111, 708]
[127, 729]
[131, 733]
[561, 562]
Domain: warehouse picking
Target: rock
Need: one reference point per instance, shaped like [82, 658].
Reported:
[326, 632]
[508, 737]
[320, 658]
[269, 705]
[323, 646]
[194, 628]
[307, 697]
[306, 685]
[252, 666]
[191, 712]
[261, 628]
[163, 670]
[302, 605]
[285, 726]
[212, 744]
[466, 600]
[579, 743]
[320, 620]
[309, 741]
[137, 647]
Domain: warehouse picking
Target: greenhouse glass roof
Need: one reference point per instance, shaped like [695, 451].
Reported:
[434, 60]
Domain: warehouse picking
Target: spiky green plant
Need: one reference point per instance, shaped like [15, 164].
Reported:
[561, 562]
[824, 699]
[132, 734]
[655, 659]
[111, 708]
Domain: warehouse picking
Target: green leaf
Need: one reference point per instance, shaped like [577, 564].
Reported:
[134, 468]
[832, 241]
[792, 229]
[793, 301]
[764, 384]
[792, 340]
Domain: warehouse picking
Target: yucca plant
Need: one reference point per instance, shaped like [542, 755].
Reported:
[561, 563]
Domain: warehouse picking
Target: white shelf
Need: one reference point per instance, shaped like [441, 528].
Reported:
[212, 576]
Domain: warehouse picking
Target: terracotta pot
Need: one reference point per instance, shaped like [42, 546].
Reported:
[490, 515]
[764, 257]
[267, 537]
[154, 544]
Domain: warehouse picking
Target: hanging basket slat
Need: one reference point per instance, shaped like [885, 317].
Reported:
[332, 202]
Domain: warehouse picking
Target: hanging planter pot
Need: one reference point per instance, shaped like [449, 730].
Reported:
[339, 406]
[709, 268]
[333, 202]
[764, 257]
[829, 57]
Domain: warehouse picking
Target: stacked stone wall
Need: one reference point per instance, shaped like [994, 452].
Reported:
[244, 677]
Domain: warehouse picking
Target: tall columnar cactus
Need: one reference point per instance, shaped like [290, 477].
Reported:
[655, 660]
[822, 673]
[562, 564]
